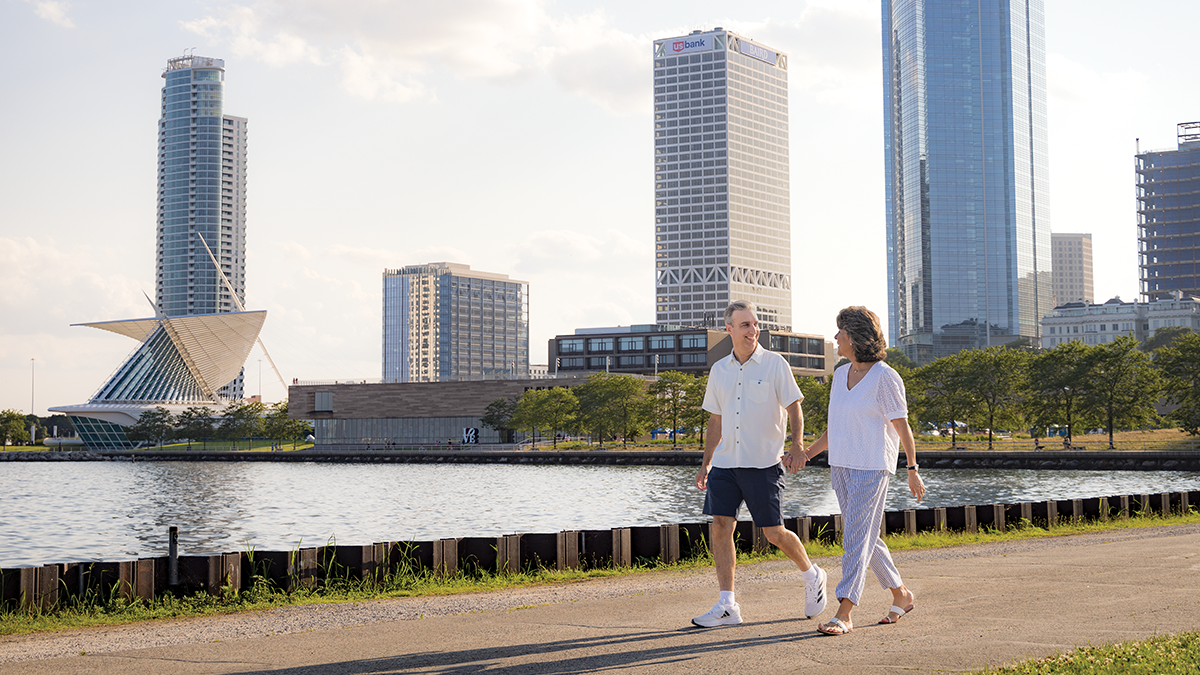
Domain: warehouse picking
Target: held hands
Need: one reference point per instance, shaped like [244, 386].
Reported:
[795, 459]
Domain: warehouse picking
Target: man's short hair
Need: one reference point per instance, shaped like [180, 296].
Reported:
[737, 306]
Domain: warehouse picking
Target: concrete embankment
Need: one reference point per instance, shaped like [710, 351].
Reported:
[1106, 460]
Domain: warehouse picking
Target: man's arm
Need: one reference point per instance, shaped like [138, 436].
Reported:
[711, 440]
[795, 458]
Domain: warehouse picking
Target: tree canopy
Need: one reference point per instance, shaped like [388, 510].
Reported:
[1179, 365]
[13, 428]
[155, 426]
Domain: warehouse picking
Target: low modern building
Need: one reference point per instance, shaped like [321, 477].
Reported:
[444, 322]
[647, 349]
[1098, 324]
[1072, 272]
[183, 362]
[385, 414]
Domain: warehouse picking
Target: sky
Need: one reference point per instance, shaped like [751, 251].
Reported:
[515, 136]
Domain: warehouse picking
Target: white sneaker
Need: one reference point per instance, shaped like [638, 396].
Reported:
[814, 594]
[720, 615]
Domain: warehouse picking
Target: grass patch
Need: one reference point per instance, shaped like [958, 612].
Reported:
[256, 445]
[336, 586]
[1161, 655]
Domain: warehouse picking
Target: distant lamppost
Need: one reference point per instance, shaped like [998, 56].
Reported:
[32, 385]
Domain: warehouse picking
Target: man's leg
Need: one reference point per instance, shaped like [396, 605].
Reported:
[787, 541]
[724, 555]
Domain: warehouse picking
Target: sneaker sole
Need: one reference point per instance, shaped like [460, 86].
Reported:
[716, 625]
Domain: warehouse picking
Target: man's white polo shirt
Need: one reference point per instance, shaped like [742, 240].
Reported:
[751, 399]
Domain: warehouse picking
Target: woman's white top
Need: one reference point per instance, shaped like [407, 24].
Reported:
[860, 432]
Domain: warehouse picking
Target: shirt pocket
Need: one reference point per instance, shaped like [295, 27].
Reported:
[758, 391]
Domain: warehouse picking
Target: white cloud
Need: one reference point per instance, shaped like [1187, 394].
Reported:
[392, 50]
[47, 287]
[52, 11]
[600, 63]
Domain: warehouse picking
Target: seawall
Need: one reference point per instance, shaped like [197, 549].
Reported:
[1106, 460]
[46, 587]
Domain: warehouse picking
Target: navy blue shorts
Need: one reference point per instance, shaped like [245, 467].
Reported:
[761, 489]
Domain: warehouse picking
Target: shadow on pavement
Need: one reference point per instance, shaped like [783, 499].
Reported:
[617, 651]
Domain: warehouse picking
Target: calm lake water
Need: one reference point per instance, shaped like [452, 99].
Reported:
[65, 512]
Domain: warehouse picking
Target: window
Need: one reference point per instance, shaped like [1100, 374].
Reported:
[692, 341]
[693, 359]
[568, 364]
[324, 401]
[595, 345]
[796, 345]
[630, 344]
[631, 361]
[662, 342]
[815, 346]
[778, 343]
[665, 359]
[598, 363]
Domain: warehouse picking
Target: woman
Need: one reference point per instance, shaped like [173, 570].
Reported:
[868, 421]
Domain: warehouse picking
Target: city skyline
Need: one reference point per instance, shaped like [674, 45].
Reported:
[542, 110]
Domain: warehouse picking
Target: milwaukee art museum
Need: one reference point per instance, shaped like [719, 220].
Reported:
[182, 362]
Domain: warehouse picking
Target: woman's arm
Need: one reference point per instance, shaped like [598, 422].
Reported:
[915, 484]
[818, 446]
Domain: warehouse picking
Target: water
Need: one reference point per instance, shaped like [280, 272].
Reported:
[66, 512]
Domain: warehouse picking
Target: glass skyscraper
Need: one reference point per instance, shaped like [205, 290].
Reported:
[201, 194]
[445, 322]
[967, 199]
[1168, 198]
[722, 211]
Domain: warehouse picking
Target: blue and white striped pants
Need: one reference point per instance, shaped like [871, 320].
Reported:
[861, 495]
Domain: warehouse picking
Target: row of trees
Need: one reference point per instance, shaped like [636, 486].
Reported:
[1115, 385]
[605, 407]
[15, 425]
[239, 420]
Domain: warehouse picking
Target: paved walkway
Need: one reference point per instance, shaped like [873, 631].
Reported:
[979, 605]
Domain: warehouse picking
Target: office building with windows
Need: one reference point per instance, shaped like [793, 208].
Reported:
[201, 195]
[966, 168]
[653, 348]
[1168, 203]
[1072, 268]
[722, 223]
[444, 322]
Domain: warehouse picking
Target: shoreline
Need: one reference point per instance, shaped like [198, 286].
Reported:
[1104, 460]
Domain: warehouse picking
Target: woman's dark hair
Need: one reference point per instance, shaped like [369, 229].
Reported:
[866, 334]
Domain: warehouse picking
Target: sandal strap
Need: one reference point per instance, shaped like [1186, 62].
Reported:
[838, 624]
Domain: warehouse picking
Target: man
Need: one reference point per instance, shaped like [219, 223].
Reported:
[752, 395]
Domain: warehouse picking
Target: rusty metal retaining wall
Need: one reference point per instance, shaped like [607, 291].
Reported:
[43, 588]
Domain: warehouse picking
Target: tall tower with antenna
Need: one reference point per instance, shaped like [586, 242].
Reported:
[201, 196]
